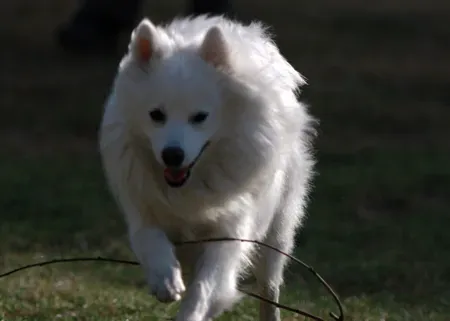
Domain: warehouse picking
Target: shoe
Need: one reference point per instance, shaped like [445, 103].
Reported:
[84, 37]
[92, 29]
[217, 7]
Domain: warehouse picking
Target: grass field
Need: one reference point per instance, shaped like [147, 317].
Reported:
[379, 79]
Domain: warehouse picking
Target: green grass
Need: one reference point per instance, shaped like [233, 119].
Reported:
[379, 214]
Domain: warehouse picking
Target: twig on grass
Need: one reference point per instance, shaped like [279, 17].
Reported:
[224, 239]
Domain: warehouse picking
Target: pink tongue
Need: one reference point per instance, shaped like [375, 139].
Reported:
[175, 175]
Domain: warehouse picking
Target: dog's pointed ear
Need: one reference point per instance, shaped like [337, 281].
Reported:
[214, 49]
[143, 42]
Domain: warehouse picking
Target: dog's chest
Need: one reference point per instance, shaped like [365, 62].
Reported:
[185, 223]
[180, 233]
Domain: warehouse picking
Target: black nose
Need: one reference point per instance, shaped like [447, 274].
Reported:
[173, 156]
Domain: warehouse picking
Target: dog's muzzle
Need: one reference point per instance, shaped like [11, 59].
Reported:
[176, 176]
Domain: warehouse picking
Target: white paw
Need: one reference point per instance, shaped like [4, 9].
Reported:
[157, 258]
[165, 282]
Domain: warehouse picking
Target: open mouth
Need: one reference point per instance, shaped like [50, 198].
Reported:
[178, 176]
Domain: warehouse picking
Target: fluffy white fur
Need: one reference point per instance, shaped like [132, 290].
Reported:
[252, 180]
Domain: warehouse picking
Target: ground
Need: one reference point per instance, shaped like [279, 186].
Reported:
[378, 218]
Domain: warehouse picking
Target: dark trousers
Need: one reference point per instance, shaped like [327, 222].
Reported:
[124, 13]
[97, 23]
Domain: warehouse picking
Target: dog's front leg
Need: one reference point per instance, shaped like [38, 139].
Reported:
[214, 288]
[157, 256]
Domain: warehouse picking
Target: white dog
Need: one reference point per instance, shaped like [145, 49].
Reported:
[203, 136]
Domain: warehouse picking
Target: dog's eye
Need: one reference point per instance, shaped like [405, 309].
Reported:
[157, 116]
[198, 118]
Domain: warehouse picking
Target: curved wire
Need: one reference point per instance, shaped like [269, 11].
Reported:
[224, 239]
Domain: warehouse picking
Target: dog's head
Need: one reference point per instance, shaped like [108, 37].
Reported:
[173, 97]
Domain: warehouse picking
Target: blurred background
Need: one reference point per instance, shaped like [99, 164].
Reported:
[377, 228]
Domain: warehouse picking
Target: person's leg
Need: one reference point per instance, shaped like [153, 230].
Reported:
[213, 7]
[97, 24]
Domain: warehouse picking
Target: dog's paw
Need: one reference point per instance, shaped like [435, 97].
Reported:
[166, 283]
[161, 267]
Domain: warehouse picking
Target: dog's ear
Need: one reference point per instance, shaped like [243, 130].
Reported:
[214, 49]
[143, 42]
